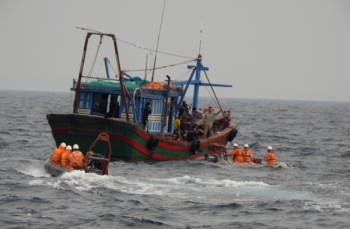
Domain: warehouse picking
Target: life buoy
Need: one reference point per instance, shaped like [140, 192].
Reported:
[195, 145]
[232, 135]
[152, 143]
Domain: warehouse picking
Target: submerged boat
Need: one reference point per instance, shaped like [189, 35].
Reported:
[129, 140]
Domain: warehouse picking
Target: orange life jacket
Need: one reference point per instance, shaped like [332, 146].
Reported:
[64, 158]
[270, 158]
[76, 159]
[56, 155]
[237, 155]
[247, 155]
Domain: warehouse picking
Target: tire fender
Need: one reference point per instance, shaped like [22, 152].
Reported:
[152, 143]
[232, 135]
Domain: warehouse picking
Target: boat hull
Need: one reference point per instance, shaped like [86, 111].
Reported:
[253, 165]
[53, 169]
[129, 142]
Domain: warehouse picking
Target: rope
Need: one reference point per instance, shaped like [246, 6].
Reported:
[94, 62]
[217, 100]
[137, 46]
[162, 67]
[112, 67]
[183, 75]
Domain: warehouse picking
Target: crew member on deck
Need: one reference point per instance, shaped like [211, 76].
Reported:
[270, 158]
[236, 153]
[177, 131]
[64, 159]
[56, 154]
[146, 112]
[247, 154]
[196, 118]
[76, 158]
[208, 121]
[112, 107]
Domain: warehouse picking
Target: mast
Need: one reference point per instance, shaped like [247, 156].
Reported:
[166, 105]
[198, 77]
[77, 88]
[155, 57]
[120, 77]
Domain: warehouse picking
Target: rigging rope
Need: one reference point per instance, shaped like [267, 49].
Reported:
[112, 67]
[94, 62]
[162, 67]
[217, 100]
[140, 47]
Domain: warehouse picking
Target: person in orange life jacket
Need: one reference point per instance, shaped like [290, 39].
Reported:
[76, 158]
[270, 158]
[236, 153]
[64, 159]
[247, 154]
[56, 154]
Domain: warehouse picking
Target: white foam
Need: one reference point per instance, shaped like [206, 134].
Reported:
[179, 187]
[34, 171]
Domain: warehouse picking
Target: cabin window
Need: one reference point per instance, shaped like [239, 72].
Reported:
[85, 100]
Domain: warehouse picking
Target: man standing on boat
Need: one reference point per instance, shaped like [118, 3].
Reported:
[208, 121]
[177, 135]
[196, 118]
[112, 108]
[146, 112]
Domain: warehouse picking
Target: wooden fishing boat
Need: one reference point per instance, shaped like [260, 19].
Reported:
[129, 140]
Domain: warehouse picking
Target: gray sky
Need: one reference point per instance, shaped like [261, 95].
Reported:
[298, 50]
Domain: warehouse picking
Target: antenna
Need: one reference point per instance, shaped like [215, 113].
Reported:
[200, 39]
[155, 57]
[146, 66]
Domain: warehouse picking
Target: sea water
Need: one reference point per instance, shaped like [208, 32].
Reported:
[312, 137]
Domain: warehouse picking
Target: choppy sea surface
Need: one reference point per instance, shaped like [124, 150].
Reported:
[312, 137]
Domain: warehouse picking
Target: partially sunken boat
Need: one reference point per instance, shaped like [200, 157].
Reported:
[129, 140]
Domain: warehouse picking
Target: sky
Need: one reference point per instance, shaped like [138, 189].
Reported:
[290, 50]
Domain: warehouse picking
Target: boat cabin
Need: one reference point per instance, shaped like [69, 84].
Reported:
[103, 98]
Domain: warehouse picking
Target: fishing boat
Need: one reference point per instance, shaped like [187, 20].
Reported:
[93, 161]
[130, 141]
